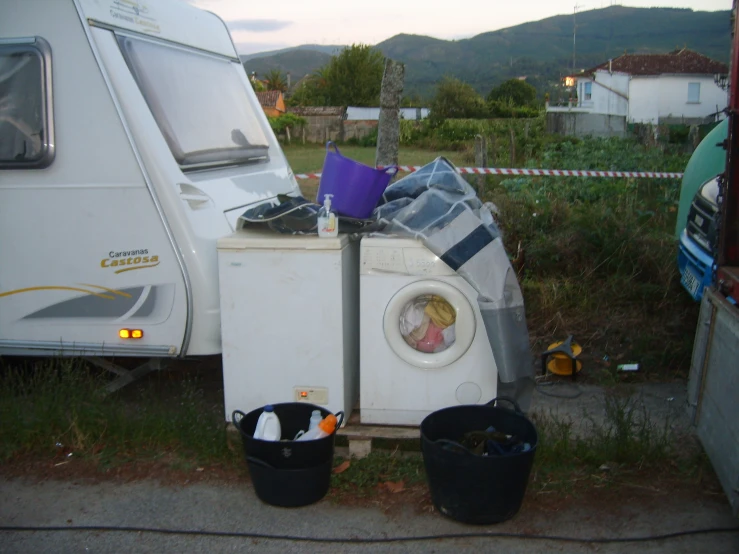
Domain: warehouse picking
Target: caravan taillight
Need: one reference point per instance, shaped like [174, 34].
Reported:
[131, 333]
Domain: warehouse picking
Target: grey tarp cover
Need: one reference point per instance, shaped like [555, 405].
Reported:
[438, 207]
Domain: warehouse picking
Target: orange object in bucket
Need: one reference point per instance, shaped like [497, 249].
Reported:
[356, 188]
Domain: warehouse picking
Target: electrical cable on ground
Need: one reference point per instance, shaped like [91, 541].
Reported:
[357, 540]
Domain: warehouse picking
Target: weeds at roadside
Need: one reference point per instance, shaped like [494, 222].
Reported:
[56, 407]
[612, 452]
[600, 258]
[628, 435]
[571, 456]
[363, 476]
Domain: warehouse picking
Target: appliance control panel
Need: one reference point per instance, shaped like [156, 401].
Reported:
[313, 395]
[388, 260]
[402, 261]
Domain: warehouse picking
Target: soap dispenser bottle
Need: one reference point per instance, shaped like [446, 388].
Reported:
[328, 221]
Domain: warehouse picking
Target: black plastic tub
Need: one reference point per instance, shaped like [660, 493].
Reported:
[288, 473]
[468, 487]
[290, 488]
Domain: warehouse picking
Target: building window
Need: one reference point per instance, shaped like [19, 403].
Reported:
[587, 91]
[26, 122]
[694, 93]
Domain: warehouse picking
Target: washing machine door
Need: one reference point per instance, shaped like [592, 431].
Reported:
[429, 324]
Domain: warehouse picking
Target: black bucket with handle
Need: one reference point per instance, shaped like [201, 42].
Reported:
[287, 472]
[468, 486]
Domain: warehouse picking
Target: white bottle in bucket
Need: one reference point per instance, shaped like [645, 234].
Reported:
[328, 221]
[315, 419]
[268, 425]
[323, 429]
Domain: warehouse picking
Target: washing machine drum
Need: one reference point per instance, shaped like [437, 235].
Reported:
[429, 324]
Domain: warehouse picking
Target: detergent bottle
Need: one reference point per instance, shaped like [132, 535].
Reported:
[268, 425]
[315, 419]
[328, 221]
[323, 429]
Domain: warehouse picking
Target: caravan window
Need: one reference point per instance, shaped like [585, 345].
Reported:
[199, 102]
[26, 123]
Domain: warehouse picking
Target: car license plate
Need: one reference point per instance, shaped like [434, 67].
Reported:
[691, 283]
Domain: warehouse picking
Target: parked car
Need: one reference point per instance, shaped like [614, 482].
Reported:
[696, 255]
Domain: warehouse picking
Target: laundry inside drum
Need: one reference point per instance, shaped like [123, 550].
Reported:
[427, 323]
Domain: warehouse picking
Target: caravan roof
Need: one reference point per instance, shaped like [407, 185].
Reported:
[172, 20]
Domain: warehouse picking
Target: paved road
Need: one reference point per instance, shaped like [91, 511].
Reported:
[237, 509]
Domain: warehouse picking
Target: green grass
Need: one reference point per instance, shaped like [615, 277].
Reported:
[57, 405]
[56, 408]
[363, 475]
[599, 255]
[626, 446]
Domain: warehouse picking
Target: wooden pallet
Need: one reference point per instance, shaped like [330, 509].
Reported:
[360, 436]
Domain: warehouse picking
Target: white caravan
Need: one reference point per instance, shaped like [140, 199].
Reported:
[130, 141]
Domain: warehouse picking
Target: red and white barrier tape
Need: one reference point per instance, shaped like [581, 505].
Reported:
[536, 172]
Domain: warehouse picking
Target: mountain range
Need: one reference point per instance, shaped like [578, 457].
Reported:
[541, 51]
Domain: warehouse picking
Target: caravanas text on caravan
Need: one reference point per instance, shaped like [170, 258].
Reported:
[130, 257]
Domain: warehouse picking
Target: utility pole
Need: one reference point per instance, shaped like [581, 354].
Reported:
[574, 35]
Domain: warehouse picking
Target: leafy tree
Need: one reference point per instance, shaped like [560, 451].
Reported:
[285, 121]
[275, 80]
[313, 91]
[514, 92]
[412, 100]
[455, 99]
[354, 77]
[256, 84]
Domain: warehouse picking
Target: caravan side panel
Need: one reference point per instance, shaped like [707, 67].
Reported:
[84, 252]
[204, 142]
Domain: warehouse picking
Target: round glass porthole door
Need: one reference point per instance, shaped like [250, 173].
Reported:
[429, 324]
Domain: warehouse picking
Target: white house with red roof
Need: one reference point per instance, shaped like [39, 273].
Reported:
[679, 87]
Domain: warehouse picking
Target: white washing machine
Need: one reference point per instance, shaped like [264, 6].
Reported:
[402, 379]
[289, 320]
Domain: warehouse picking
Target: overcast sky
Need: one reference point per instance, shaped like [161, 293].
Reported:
[261, 26]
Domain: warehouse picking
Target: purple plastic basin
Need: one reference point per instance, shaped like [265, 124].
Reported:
[356, 188]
